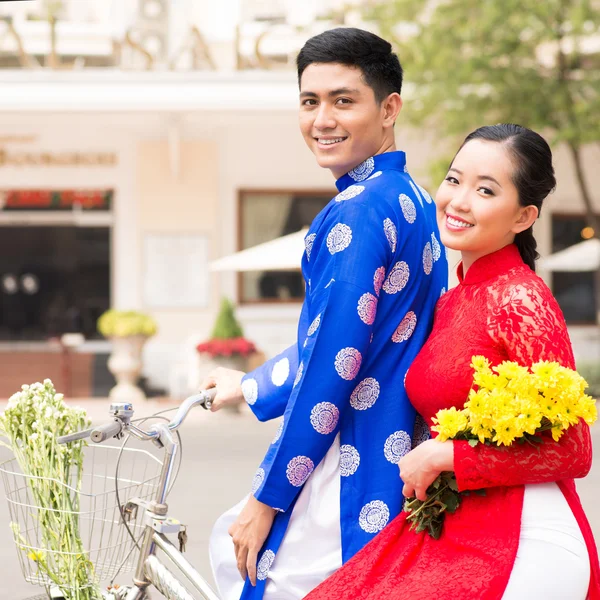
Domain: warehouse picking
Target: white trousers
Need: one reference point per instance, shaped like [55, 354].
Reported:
[312, 547]
[552, 560]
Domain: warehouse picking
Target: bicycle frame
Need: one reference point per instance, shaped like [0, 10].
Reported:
[149, 569]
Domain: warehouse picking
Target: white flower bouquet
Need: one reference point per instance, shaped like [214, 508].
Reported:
[35, 417]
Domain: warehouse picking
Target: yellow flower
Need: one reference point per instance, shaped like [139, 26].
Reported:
[35, 556]
[511, 370]
[449, 422]
[557, 433]
[505, 432]
[481, 364]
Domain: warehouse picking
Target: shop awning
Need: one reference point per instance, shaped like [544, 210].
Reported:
[281, 254]
[584, 256]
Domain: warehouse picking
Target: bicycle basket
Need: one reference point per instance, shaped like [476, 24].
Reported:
[106, 542]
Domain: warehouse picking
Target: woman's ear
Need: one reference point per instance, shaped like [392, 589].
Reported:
[527, 218]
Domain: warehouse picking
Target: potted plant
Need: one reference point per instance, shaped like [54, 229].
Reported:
[128, 331]
[227, 346]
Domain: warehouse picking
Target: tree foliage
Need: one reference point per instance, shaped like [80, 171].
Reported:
[476, 62]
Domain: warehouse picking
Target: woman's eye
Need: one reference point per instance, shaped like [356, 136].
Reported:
[451, 179]
[486, 191]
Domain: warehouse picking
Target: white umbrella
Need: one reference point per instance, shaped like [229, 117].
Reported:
[584, 256]
[280, 254]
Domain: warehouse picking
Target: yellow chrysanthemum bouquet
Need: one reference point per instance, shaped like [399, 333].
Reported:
[508, 404]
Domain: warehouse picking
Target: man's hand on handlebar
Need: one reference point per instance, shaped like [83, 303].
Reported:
[228, 383]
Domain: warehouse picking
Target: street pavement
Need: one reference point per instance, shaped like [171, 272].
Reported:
[221, 452]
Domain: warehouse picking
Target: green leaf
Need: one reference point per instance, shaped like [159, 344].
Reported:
[473, 443]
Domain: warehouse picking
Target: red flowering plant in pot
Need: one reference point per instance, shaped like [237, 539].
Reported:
[227, 346]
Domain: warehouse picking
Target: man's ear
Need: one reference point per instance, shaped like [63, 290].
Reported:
[527, 218]
[391, 107]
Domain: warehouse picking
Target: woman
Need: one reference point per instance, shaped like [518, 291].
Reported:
[527, 537]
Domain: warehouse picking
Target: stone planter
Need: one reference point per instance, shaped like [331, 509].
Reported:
[125, 363]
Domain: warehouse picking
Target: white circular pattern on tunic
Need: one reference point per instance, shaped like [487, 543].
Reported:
[421, 433]
[374, 516]
[408, 208]
[437, 249]
[378, 279]
[265, 564]
[259, 477]
[339, 238]
[324, 417]
[427, 259]
[391, 233]
[314, 325]
[365, 394]
[406, 328]
[309, 240]
[396, 446]
[278, 432]
[299, 374]
[350, 192]
[442, 292]
[405, 168]
[362, 171]
[416, 191]
[376, 175]
[349, 460]
[280, 372]
[347, 363]
[397, 278]
[425, 194]
[299, 469]
[250, 390]
[367, 308]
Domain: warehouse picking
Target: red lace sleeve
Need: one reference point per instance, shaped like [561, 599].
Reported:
[526, 320]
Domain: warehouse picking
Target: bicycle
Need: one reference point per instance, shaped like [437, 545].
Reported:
[144, 513]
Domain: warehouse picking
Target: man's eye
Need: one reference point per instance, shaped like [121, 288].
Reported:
[344, 101]
[309, 102]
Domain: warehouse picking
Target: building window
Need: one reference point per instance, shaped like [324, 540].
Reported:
[265, 216]
[574, 291]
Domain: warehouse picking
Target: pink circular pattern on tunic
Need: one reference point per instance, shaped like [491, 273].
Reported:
[349, 193]
[314, 325]
[299, 469]
[362, 171]
[374, 516]
[391, 233]
[309, 240]
[347, 363]
[349, 460]
[265, 564]
[396, 446]
[324, 417]
[299, 374]
[425, 194]
[367, 308]
[339, 238]
[397, 278]
[408, 208]
[406, 328]
[259, 477]
[365, 394]
[437, 249]
[250, 390]
[378, 279]
[421, 432]
[427, 259]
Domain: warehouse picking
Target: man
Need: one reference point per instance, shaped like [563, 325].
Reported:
[374, 269]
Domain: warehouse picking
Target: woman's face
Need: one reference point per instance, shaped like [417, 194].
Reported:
[478, 210]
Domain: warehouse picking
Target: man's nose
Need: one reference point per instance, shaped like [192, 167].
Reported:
[324, 119]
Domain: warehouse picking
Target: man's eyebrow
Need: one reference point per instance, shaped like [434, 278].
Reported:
[481, 177]
[332, 93]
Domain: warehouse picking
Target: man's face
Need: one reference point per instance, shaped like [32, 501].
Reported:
[340, 119]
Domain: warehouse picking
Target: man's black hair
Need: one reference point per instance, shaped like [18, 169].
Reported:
[356, 48]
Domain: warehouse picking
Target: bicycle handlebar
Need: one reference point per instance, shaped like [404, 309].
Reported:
[108, 430]
[114, 428]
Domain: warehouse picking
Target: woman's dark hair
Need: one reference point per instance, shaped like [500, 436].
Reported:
[533, 173]
[356, 48]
